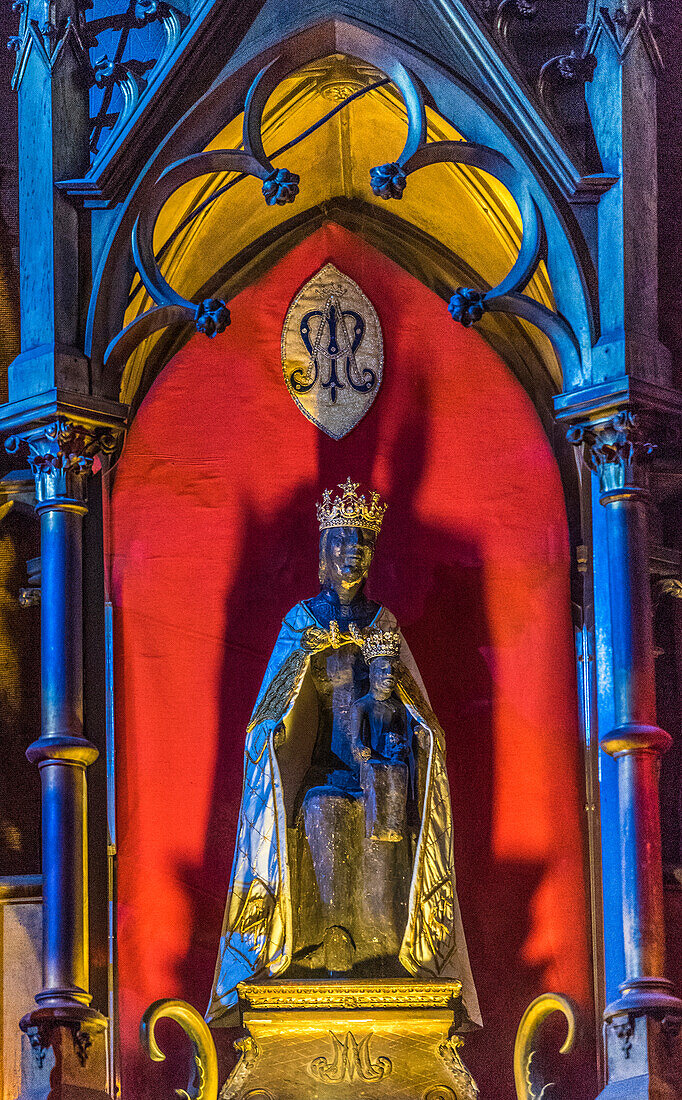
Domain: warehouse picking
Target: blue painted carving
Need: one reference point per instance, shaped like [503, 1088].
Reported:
[49, 38]
[466, 306]
[388, 181]
[128, 41]
[211, 317]
[120, 41]
[280, 187]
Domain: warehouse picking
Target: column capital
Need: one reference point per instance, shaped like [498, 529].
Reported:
[60, 455]
[61, 434]
[617, 450]
[621, 423]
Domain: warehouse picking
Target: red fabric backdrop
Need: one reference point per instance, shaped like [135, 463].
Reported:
[213, 537]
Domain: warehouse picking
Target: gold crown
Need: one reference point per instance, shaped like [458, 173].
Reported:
[381, 643]
[350, 510]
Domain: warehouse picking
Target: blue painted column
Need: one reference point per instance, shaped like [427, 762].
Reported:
[643, 1023]
[60, 453]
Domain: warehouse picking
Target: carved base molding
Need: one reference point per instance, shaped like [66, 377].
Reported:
[644, 1058]
[343, 1039]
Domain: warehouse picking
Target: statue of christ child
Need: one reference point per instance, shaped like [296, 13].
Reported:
[381, 731]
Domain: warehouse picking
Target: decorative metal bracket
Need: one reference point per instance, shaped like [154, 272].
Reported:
[525, 1044]
[388, 181]
[624, 1030]
[204, 1086]
[670, 1030]
[510, 10]
[39, 1044]
[576, 67]
[280, 186]
[467, 305]
[499, 14]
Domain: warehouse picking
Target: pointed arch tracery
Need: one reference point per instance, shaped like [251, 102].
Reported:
[539, 236]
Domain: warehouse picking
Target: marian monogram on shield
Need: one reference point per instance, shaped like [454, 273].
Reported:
[332, 351]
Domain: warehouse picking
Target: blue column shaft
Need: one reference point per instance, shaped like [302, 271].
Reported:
[631, 616]
[65, 924]
[635, 741]
[62, 754]
[61, 623]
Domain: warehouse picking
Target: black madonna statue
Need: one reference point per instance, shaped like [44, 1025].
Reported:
[344, 863]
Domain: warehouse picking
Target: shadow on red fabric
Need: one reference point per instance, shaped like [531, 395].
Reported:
[213, 537]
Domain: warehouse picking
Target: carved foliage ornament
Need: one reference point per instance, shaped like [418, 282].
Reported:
[332, 351]
[467, 1089]
[466, 306]
[60, 455]
[614, 449]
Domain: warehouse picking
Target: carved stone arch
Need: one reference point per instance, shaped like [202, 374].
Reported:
[567, 247]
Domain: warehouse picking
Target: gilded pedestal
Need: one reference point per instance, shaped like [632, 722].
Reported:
[328, 1040]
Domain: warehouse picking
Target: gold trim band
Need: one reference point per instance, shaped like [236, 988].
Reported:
[332, 994]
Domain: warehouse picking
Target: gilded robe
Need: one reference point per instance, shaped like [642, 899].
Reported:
[257, 933]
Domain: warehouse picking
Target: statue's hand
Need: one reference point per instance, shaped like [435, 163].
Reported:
[279, 735]
[423, 737]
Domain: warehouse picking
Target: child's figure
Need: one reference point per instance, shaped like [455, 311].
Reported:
[381, 737]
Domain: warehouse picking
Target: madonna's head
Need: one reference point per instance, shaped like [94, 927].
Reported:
[345, 556]
[349, 525]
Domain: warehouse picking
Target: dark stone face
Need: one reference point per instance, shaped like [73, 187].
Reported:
[348, 553]
[382, 677]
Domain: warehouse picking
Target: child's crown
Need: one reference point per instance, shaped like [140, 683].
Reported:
[381, 643]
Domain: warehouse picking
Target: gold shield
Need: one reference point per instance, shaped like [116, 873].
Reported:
[332, 351]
